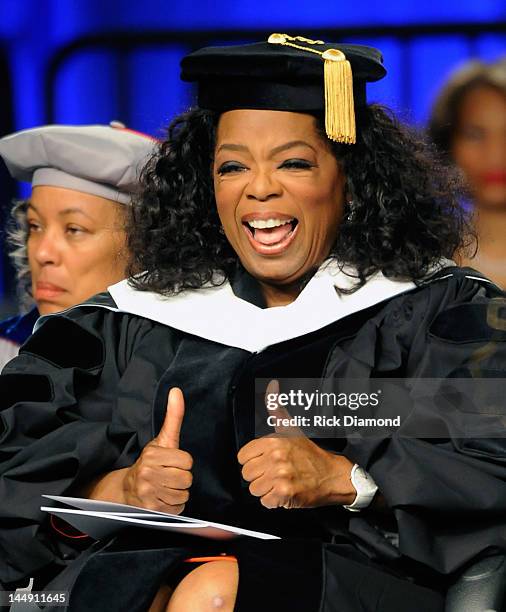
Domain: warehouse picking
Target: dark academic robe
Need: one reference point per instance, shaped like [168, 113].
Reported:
[88, 392]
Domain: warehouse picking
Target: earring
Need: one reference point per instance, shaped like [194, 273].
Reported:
[350, 212]
[221, 230]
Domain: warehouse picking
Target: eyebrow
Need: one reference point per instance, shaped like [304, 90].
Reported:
[275, 151]
[65, 211]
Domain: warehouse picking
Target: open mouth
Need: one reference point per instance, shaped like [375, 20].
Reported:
[271, 235]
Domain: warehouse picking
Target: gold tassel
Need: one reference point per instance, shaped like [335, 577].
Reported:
[338, 78]
[339, 104]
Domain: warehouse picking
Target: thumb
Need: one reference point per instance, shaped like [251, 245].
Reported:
[168, 436]
[280, 413]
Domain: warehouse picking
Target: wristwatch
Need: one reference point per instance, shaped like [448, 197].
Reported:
[365, 487]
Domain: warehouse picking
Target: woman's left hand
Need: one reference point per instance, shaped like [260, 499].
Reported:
[293, 472]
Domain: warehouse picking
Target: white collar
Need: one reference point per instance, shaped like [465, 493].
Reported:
[217, 314]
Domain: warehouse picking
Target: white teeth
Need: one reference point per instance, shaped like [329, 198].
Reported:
[266, 223]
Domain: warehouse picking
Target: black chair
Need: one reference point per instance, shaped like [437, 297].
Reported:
[481, 587]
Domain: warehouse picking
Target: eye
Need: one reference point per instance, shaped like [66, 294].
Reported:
[33, 226]
[297, 164]
[229, 167]
[472, 133]
[74, 230]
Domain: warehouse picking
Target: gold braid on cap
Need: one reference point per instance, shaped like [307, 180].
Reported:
[338, 79]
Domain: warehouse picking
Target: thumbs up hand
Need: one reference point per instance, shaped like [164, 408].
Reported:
[168, 436]
[288, 470]
[160, 478]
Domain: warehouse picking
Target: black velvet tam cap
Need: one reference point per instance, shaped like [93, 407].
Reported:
[286, 73]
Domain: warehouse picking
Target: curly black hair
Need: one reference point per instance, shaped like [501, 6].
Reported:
[403, 218]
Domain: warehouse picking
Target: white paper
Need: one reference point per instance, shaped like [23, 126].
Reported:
[100, 519]
[103, 506]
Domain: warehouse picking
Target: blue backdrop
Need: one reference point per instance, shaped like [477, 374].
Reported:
[91, 61]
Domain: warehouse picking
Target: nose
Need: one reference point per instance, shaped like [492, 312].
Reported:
[493, 150]
[498, 151]
[45, 249]
[263, 186]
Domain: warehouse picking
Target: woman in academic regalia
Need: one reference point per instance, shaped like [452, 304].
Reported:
[468, 125]
[67, 242]
[286, 230]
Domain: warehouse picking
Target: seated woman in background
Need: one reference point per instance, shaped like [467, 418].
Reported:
[67, 241]
[468, 124]
[286, 229]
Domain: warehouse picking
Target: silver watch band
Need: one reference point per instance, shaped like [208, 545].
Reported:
[365, 487]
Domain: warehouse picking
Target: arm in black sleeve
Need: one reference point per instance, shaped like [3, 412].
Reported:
[68, 413]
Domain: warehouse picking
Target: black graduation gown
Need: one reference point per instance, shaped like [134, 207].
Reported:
[88, 392]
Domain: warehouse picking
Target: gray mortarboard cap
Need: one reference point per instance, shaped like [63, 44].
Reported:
[98, 159]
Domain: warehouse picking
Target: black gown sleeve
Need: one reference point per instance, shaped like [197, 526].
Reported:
[447, 493]
[73, 405]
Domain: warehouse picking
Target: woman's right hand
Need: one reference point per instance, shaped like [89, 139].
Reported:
[161, 477]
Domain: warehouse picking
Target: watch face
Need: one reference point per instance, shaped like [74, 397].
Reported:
[364, 484]
[360, 477]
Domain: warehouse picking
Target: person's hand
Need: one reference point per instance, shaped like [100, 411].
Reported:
[288, 470]
[160, 478]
